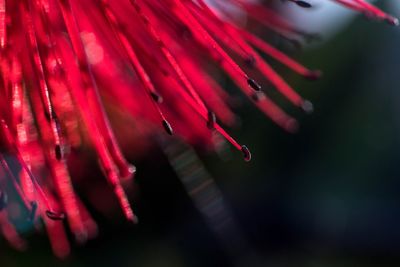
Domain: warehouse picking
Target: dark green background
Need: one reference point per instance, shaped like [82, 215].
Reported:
[326, 196]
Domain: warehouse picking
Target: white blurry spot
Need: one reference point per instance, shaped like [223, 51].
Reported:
[93, 49]
[325, 17]
[229, 11]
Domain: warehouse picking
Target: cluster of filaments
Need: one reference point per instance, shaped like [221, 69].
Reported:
[60, 57]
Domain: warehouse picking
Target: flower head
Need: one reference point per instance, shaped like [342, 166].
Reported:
[154, 59]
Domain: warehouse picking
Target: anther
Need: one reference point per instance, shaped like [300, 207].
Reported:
[255, 97]
[59, 152]
[312, 37]
[3, 200]
[211, 120]
[303, 4]
[246, 153]
[55, 216]
[134, 219]
[313, 75]
[33, 211]
[307, 106]
[253, 84]
[47, 115]
[156, 97]
[392, 21]
[292, 126]
[250, 61]
[167, 127]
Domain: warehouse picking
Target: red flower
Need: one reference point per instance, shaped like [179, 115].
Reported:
[60, 57]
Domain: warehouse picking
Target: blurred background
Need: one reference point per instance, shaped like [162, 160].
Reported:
[326, 196]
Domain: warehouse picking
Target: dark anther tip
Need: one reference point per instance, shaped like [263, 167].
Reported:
[255, 97]
[212, 119]
[33, 211]
[55, 216]
[156, 97]
[307, 106]
[167, 127]
[250, 61]
[296, 44]
[253, 84]
[134, 219]
[292, 126]
[313, 75]
[59, 152]
[3, 200]
[312, 37]
[303, 4]
[392, 21]
[246, 153]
